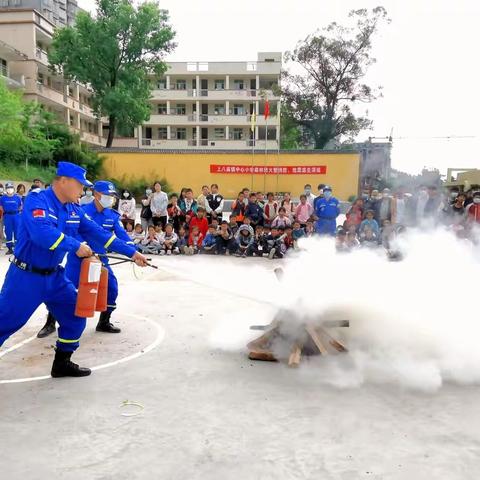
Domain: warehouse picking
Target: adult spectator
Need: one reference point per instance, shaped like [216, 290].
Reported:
[87, 197]
[214, 204]
[21, 191]
[419, 203]
[37, 184]
[158, 205]
[383, 207]
[307, 190]
[433, 206]
[399, 208]
[202, 198]
[146, 212]
[473, 210]
[127, 208]
[327, 210]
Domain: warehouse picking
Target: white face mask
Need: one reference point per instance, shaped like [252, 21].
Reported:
[106, 201]
[1, 190]
[126, 194]
[476, 200]
[10, 191]
[148, 192]
[88, 193]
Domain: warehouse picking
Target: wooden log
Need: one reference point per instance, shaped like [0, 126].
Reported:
[295, 356]
[333, 342]
[316, 339]
[263, 355]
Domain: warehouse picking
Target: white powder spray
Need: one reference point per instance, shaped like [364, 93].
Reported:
[415, 323]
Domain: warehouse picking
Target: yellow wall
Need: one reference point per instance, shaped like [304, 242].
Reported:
[193, 170]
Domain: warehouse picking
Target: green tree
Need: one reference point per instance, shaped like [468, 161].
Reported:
[115, 52]
[333, 64]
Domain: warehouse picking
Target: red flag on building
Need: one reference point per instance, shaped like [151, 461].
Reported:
[267, 109]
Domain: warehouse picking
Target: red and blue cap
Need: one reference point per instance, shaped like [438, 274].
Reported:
[67, 169]
[105, 187]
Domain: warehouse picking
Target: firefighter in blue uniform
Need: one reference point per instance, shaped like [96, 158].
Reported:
[326, 210]
[100, 212]
[11, 206]
[50, 224]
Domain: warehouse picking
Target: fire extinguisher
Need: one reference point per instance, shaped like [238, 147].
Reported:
[102, 303]
[88, 286]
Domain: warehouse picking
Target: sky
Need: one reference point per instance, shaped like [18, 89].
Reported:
[427, 63]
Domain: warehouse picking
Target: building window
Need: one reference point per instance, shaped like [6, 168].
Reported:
[162, 108]
[180, 133]
[219, 109]
[238, 84]
[238, 109]
[162, 84]
[180, 109]
[181, 85]
[163, 133]
[3, 67]
[238, 134]
[148, 132]
[219, 84]
[219, 133]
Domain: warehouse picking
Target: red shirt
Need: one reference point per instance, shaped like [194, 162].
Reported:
[191, 240]
[201, 223]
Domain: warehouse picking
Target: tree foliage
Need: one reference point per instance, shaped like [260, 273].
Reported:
[29, 135]
[333, 63]
[115, 52]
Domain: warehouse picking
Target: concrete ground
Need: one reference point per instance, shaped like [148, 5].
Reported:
[211, 413]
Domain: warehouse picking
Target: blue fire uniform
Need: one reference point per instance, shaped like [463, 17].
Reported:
[48, 230]
[109, 220]
[327, 212]
[12, 206]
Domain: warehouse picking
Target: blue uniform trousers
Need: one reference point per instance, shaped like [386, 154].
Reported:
[72, 270]
[10, 221]
[23, 292]
[325, 226]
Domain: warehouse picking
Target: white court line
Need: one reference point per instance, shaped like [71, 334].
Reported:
[18, 345]
[159, 339]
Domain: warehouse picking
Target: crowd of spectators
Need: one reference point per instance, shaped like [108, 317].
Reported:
[270, 225]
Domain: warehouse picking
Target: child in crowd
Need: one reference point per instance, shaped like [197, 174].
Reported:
[169, 241]
[215, 224]
[188, 205]
[182, 239]
[269, 210]
[151, 243]
[282, 219]
[309, 229]
[210, 241]
[352, 240]
[256, 247]
[138, 234]
[233, 226]
[129, 230]
[273, 243]
[288, 240]
[368, 238]
[247, 222]
[225, 241]
[175, 215]
[254, 211]
[158, 229]
[370, 222]
[298, 231]
[195, 240]
[200, 221]
[340, 240]
[304, 211]
[244, 238]
[238, 209]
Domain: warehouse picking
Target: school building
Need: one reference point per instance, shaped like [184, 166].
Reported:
[276, 171]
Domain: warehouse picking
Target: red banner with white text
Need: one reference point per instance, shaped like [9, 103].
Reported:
[269, 170]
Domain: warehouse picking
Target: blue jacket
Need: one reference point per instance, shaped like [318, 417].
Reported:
[254, 212]
[209, 240]
[327, 209]
[11, 204]
[109, 220]
[49, 229]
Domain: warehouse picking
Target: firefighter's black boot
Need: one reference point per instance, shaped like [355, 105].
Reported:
[104, 324]
[63, 367]
[48, 328]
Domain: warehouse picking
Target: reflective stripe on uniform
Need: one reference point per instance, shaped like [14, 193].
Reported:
[63, 340]
[110, 240]
[57, 243]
